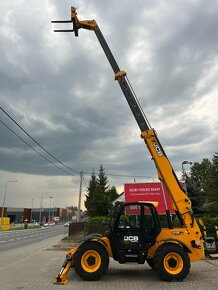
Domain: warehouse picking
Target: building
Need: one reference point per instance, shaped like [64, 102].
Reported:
[19, 215]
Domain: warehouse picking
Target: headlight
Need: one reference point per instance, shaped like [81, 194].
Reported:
[196, 243]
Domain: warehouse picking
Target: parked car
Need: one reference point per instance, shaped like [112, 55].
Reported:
[67, 224]
[35, 224]
[49, 224]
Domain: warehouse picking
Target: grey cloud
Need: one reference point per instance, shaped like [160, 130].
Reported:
[61, 88]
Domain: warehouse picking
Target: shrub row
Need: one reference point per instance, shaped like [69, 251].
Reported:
[210, 223]
[95, 225]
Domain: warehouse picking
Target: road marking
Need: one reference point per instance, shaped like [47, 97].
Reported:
[2, 241]
[11, 240]
[18, 238]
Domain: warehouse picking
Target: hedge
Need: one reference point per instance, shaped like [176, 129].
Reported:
[95, 225]
[210, 223]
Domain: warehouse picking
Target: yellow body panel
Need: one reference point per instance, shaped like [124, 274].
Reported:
[179, 236]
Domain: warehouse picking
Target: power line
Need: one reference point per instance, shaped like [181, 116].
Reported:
[132, 176]
[38, 143]
[34, 149]
[85, 182]
[123, 175]
[55, 158]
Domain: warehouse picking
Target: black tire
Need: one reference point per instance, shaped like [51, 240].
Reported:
[150, 262]
[171, 262]
[91, 261]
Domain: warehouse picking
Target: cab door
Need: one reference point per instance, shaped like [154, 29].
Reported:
[134, 232]
[127, 231]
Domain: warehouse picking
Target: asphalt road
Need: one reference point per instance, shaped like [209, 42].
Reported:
[19, 238]
[35, 265]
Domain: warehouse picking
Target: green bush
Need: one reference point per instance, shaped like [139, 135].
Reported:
[210, 223]
[95, 225]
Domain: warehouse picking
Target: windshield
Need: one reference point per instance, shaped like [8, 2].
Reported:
[113, 214]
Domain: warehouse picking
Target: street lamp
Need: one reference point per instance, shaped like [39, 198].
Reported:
[54, 205]
[40, 210]
[3, 204]
[31, 218]
[49, 209]
[184, 174]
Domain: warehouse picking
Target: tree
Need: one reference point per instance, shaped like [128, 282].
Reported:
[200, 174]
[212, 188]
[99, 195]
[91, 190]
[102, 179]
[202, 185]
[195, 196]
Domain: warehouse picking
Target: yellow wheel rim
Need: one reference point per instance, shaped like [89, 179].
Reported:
[91, 261]
[173, 263]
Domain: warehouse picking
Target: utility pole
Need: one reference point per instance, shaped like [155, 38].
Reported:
[79, 202]
[40, 210]
[49, 209]
[3, 204]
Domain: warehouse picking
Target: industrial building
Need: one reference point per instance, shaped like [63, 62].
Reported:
[19, 215]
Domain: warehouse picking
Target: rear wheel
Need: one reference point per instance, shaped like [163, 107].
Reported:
[171, 263]
[91, 261]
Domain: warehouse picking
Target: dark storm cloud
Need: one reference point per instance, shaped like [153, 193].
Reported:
[61, 88]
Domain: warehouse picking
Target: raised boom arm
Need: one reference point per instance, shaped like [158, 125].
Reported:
[180, 201]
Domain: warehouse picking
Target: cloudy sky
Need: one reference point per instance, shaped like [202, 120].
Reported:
[61, 90]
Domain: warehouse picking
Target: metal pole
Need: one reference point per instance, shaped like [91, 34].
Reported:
[54, 208]
[79, 202]
[3, 204]
[32, 211]
[40, 210]
[49, 209]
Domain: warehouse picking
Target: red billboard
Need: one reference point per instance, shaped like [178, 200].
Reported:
[154, 191]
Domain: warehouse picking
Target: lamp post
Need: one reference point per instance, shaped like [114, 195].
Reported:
[184, 174]
[54, 205]
[3, 204]
[49, 209]
[32, 211]
[79, 202]
[40, 210]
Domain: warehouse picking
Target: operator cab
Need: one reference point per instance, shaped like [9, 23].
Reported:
[133, 230]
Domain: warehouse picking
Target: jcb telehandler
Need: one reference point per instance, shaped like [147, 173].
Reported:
[134, 232]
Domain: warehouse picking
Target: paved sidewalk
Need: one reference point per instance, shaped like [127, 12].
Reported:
[37, 271]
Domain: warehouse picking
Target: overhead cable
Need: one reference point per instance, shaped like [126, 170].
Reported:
[38, 143]
[34, 148]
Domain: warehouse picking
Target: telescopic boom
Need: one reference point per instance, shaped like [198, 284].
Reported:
[180, 202]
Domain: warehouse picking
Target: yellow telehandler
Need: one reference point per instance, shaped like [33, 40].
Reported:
[134, 232]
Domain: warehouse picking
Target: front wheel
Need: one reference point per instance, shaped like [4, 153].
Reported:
[171, 263]
[91, 261]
